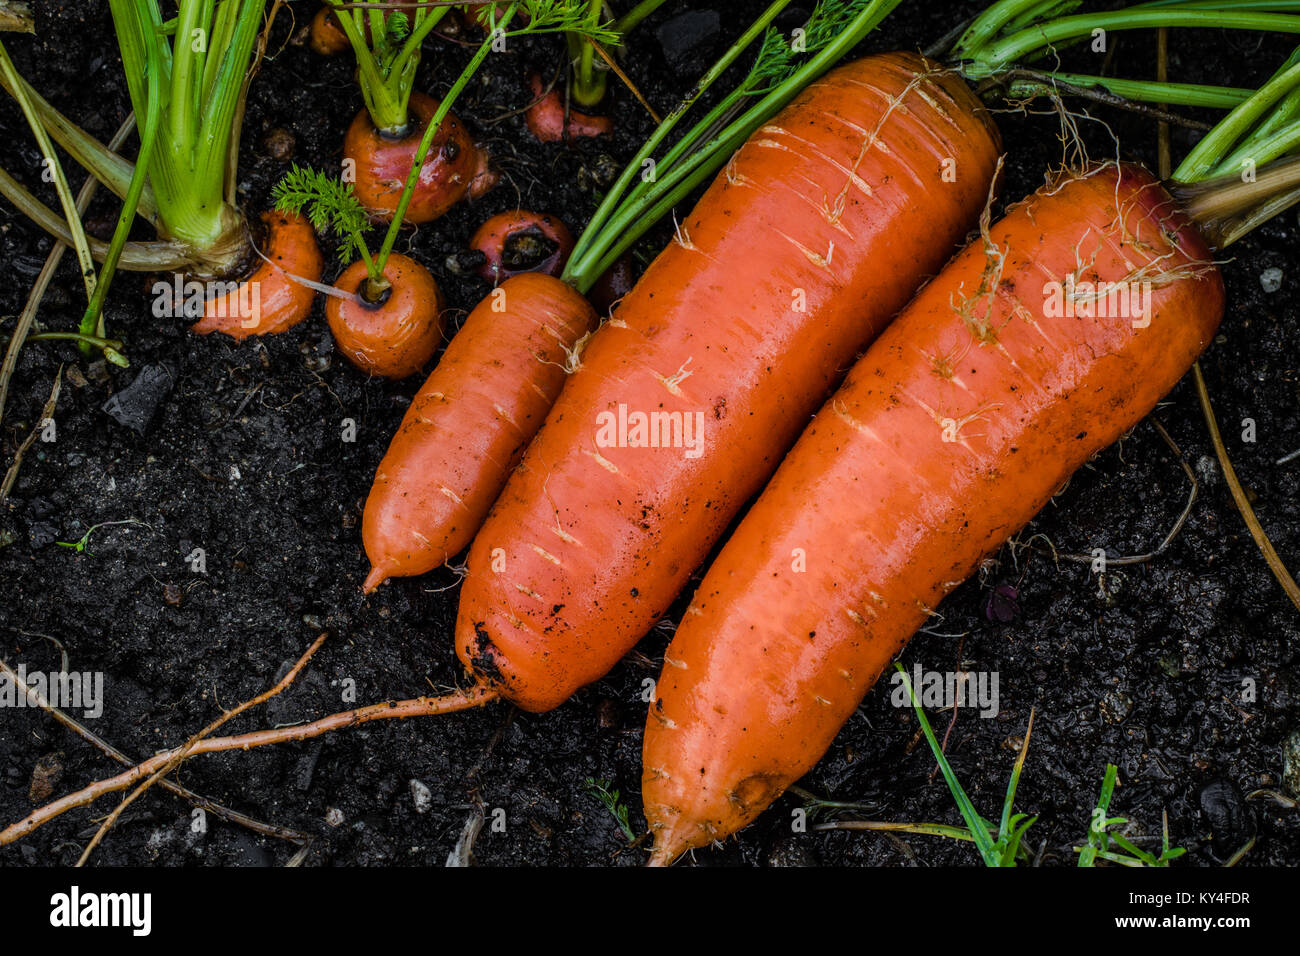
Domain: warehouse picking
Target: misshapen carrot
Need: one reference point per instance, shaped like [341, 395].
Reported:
[951, 432]
[469, 424]
[818, 231]
[271, 299]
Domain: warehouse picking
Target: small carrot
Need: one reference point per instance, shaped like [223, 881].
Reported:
[1006, 373]
[468, 426]
[271, 299]
[397, 333]
[455, 168]
[549, 121]
[326, 37]
[519, 241]
[815, 235]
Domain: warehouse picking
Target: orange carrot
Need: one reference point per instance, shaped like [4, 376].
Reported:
[548, 119]
[518, 241]
[950, 433]
[818, 231]
[468, 426]
[454, 168]
[396, 335]
[271, 299]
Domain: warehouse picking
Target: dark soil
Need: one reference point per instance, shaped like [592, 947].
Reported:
[245, 459]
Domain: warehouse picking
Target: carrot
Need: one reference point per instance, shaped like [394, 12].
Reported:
[948, 436]
[271, 299]
[519, 241]
[816, 234]
[548, 119]
[453, 169]
[469, 425]
[398, 333]
[326, 37]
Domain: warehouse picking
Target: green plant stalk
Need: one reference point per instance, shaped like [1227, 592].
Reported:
[632, 19]
[52, 163]
[385, 83]
[635, 166]
[1001, 53]
[1145, 91]
[430, 130]
[212, 142]
[978, 826]
[92, 321]
[588, 82]
[112, 348]
[109, 168]
[990, 23]
[648, 201]
[1209, 153]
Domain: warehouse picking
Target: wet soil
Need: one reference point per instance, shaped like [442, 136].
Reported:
[245, 459]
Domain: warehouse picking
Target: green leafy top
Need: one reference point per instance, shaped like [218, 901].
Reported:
[780, 57]
[330, 204]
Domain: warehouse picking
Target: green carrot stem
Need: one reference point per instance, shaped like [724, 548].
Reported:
[1002, 52]
[595, 233]
[630, 20]
[648, 201]
[426, 141]
[1144, 91]
[1210, 151]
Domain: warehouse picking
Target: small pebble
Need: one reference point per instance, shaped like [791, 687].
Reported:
[279, 144]
[422, 796]
[1271, 279]
[334, 817]
[45, 777]
[1230, 820]
[173, 596]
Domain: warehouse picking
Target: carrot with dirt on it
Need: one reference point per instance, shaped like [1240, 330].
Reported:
[1047, 338]
[431, 494]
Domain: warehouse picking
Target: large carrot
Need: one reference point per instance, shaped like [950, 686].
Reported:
[820, 229]
[468, 426]
[951, 432]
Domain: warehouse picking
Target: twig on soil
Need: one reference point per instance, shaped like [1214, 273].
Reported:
[627, 81]
[474, 696]
[178, 756]
[11, 476]
[206, 804]
[1239, 495]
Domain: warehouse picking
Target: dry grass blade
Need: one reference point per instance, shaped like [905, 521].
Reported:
[11, 476]
[1239, 495]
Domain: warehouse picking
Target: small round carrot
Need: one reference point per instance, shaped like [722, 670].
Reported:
[270, 300]
[518, 241]
[1036, 347]
[397, 333]
[326, 37]
[453, 169]
[546, 118]
[468, 426]
[815, 235]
